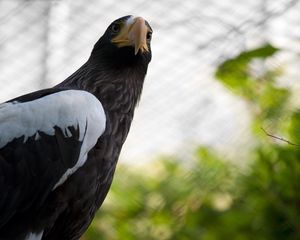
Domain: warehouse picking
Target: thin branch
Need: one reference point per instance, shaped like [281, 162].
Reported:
[279, 138]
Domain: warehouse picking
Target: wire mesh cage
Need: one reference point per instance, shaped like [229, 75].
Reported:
[42, 42]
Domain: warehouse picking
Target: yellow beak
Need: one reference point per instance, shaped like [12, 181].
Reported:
[133, 33]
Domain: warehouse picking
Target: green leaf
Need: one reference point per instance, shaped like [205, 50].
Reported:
[234, 73]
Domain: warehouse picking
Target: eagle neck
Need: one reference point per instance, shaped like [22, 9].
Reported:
[118, 89]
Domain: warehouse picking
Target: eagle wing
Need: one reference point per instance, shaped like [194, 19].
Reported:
[45, 136]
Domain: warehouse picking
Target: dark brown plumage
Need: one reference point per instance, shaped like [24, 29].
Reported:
[114, 73]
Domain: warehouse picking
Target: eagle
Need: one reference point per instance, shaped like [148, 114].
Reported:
[59, 146]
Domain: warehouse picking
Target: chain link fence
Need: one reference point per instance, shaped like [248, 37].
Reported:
[42, 42]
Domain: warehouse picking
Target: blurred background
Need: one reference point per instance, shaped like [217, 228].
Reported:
[214, 149]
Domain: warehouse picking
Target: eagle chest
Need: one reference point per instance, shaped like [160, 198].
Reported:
[109, 145]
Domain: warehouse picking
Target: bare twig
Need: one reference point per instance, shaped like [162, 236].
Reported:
[279, 138]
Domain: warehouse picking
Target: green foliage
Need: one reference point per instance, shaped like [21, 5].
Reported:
[235, 73]
[163, 200]
[206, 197]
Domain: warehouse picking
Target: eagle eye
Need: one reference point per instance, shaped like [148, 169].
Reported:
[149, 35]
[115, 28]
